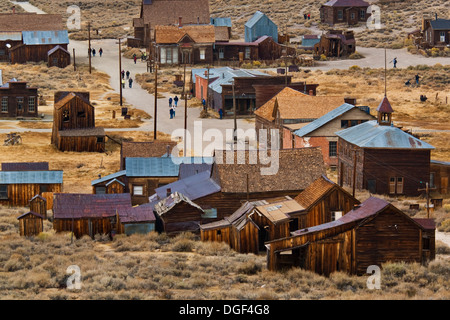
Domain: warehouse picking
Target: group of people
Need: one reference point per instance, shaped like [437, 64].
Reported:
[130, 80]
[172, 108]
[307, 16]
[93, 52]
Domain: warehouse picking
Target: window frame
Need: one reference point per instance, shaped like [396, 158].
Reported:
[4, 192]
[136, 194]
[4, 103]
[332, 149]
[32, 104]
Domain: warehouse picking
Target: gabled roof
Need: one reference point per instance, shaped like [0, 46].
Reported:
[58, 47]
[159, 166]
[294, 170]
[385, 106]
[235, 218]
[69, 97]
[38, 197]
[193, 187]
[142, 213]
[279, 211]
[293, 104]
[371, 135]
[323, 120]
[171, 201]
[32, 213]
[226, 76]
[45, 37]
[315, 191]
[78, 206]
[440, 24]
[174, 34]
[258, 15]
[25, 166]
[109, 177]
[347, 3]
[31, 177]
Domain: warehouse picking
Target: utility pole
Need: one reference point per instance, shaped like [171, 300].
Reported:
[156, 95]
[89, 41]
[234, 111]
[74, 64]
[285, 59]
[185, 105]
[207, 91]
[427, 190]
[120, 72]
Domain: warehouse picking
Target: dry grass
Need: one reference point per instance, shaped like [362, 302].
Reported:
[156, 267]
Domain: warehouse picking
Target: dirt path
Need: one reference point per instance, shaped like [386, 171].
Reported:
[443, 236]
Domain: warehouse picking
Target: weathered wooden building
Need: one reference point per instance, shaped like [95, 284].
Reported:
[38, 204]
[336, 43]
[177, 213]
[58, 57]
[135, 220]
[382, 158]
[88, 214]
[323, 201]
[292, 109]
[167, 12]
[30, 224]
[17, 188]
[74, 124]
[260, 25]
[350, 12]
[18, 100]
[321, 132]
[435, 33]
[439, 176]
[373, 233]
[144, 149]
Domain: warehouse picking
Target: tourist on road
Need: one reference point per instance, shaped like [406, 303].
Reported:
[93, 52]
[417, 79]
[171, 113]
[173, 109]
[130, 82]
[123, 83]
[170, 102]
[100, 52]
[395, 62]
[123, 74]
[128, 74]
[221, 113]
[175, 100]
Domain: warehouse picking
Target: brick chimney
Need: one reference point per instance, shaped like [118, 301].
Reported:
[180, 22]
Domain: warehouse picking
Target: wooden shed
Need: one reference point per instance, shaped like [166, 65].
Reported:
[58, 57]
[323, 201]
[177, 213]
[136, 220]
[88, 214]
[17, 99]
[38, 204]
[439, 176]
[30, 224]
[74, 124]
[371, 234]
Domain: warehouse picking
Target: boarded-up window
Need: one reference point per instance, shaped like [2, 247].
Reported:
[399, 185]
[138, 190]
[396, 185]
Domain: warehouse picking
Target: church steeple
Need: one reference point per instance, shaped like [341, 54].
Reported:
[384, 112]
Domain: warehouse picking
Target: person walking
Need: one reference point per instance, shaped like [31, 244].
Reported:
[123, 83]
[171, 113]
[309, 16]
[417, 79]
[221, 113]
[135, 58]
[175, 100]
[123, 74]
[93, 52]
[173, 110]
[170, 102]
[128, 74]
[100, 52]
[395, 62]
[130, 82]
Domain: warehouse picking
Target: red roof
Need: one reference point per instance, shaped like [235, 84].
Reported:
[385, 106]
[427, 224]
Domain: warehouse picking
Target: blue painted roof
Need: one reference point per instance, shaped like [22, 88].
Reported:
[221, 22]
[316, 124]
[159, 167]
[371, 135]
[109, 177]
[254, 19]
[31, 177]
[45, 37]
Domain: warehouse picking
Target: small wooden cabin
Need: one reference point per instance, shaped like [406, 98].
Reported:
[336, 43]
[38, 204]
[371, 234]
[177, 213]
[137, 219]
[30, 224]
[88, 214]
[323, 201]
[17, 99]
[74, 124]
[350, 12]
[58, 57]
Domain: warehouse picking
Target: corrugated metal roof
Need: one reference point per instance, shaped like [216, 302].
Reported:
[316, 124]
[221, 22]
[309, 43]
[25, 166]
[45, 37]
[31, 177]
[171, 201]
[142, 213]
[226, 78]
[371, 135]
[160, 166]
[109, 177]
[445, 163]
[254, 19]
[347, 3]
[12, 35]
[187, 170]
[440, 24]
[193, 187]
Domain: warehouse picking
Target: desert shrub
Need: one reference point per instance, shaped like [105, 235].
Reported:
[345, 282]
[213, 248]
[355, 55]
[397, 45]
[257, 64]
[249, 268]
[355, 68]
[444, 226]
[247, 65]
[323, 57]
[183, 245]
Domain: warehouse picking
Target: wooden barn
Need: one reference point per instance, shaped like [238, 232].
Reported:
[371, 234]
[136, 220]
[336, 43]
[58, 57]
[18, 100]
[88, 214]
[18, 187]
[30, 224]
[237, 230]
[323, 201]
[38, 204]
[74, 124]
[165, 12]
[388, 160]
[350, 12]
[439, 176]
[176, 214]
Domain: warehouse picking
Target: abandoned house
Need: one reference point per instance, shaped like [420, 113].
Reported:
[372, 233]
[321, 132]
[145, 149]
[164, 13]
[38, 204]
[260, 25]
[350, 12]
[74, 124]
[439, 176]
[435, 33]
[135, 220]
[335, 43]
[30, 224]
[20, 182]
[18, 100]
[388, 160]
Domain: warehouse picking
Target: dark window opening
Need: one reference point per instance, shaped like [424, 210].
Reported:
[426, 243]
[81, 114]
[66, 116]
[3, 192]
[44, 188]
[99, 139]
[100, 190]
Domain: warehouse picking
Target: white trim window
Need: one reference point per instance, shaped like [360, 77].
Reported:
[4, 104]
[202, 53]
[31, 104]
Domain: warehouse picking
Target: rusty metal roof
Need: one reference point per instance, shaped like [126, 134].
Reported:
[427, 224]
[371, 135]
[385, 106]
[32, 213]
[79, 206]
[347, 3]
[25, 166]
[142, 213]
